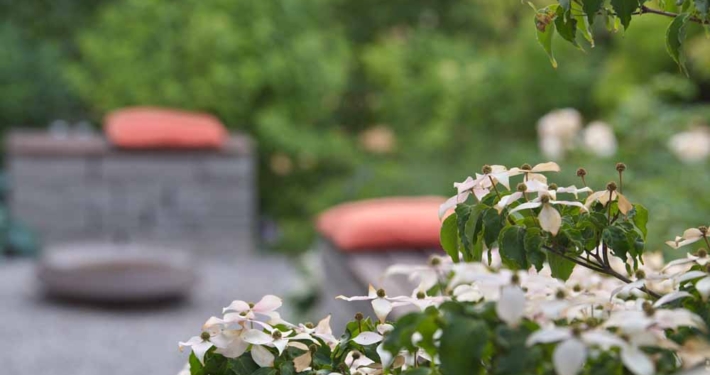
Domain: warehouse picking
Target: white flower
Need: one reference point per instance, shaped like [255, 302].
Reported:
[550, 219]
[511, 305]
[606, 196]
[211, 336]
[322, 331]
[691, 146]
[265, 307]
[599, 139]
[468, 293]
[428, 275]
[272, 338]
[690, 236]
[369, 338]
[574, 190]
[557, 131]
[381, 303]
[702, 285]
[535, 173]
[569, 356]
[701, 259]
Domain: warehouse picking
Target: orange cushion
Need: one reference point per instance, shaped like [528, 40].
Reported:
[385, 223]
[145, 127]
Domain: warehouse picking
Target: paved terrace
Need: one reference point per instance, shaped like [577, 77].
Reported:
[40, 336]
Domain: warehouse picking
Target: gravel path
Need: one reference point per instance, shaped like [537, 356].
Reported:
[40, 336]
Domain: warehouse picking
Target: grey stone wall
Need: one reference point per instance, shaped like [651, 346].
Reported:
[83, 189]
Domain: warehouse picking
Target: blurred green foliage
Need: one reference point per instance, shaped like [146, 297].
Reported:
[458, 83]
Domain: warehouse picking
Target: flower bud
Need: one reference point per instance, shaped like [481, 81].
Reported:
[359, 316]
[581, 172]
[313, 348]
[356, 355]
[526, 167]
[251, 305]
[620, 167]
[310, 325]
[611, 186]
[703, 229]
[205, 336]
[577, 288]
[640, 274]
[381, 293]
[522, 187]
[421, 295]
[702, 253]
[434, 261]
[515, 279]
[545, 198]
[576, 331]
[276, 335]
[486, 169]
[552, 186]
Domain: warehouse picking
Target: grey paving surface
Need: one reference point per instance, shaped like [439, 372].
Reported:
[39, 336]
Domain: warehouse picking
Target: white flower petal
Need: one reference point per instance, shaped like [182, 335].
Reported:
[256, 337]
[527, 206]
[200, 349]
[511, 305]
[570, 203]
[637, 361]
[386, 357]
[690, 276]
[602, 339]
[703, 287]
[262, 356]
[235, 348]
[624, 205]
[267, 304]
[548, 335]
[569, 356]
[368, 338]
[550, 166]
[382, 308]
[238, 306]
[303, 362]
[671, 297]
[692, 233]
[550, 219]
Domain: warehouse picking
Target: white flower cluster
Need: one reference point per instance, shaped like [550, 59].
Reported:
[584, 315]
[254, 326]
[691, 146]
[558, 133]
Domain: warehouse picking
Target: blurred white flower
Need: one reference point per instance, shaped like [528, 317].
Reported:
[599, 139]
[692, 146]
[557, 131]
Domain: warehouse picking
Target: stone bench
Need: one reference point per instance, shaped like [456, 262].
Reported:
[81, 188]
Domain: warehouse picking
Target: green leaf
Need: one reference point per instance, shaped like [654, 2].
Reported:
[287, 368]
[616, 239]
[565, 4]
[591, 8]
[624, 9]
[512, 247]
[418, 371]
[675, 36]
[461, 346]
[533, 247]
[195, 365]
[449, 237]
[492, 224]
[640, 218]
[243, 365]
[546, 30]
[561, 268]
[264, 371]
[463, 213]
[583, 24]
[702, 6]
[566, 27]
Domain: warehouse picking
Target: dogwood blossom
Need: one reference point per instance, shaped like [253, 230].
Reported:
[550, 219]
